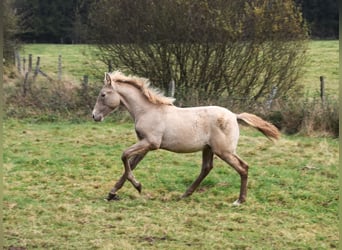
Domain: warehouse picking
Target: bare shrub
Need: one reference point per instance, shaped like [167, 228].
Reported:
[211, 49]
[56, 98]
[307, 116]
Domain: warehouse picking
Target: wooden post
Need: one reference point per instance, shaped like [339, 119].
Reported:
[17, 59]
[110, 68]
[30, 63]
[59, 68]
[24, 63]
[171, 88]
[25, 85]
[36, 71]
[43, 74]
[321, 78]
[85, 84]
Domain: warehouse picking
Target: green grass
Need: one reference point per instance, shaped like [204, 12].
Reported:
[322, 60]
[57, 174]
[77, 60]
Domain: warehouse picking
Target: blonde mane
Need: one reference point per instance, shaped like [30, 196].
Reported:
[143, 84]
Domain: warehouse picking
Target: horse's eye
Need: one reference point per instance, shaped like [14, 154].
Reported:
[103, 95]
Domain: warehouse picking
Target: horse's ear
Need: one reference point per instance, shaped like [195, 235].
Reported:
[108, 79]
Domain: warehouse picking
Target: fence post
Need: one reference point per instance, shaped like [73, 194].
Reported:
[17, 59]
[59, 68]
[321, 78]
[30, 63]
[171, 88]
[110, 68]
[85, 84]
[36, 71]
[24, 63]
[25, 85]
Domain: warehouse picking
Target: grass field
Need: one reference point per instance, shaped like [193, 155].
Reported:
[57, 174]
[322, 60]
[77, 60]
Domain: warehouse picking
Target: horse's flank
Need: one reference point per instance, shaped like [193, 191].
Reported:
[143, 84]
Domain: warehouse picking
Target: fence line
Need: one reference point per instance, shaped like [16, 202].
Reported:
[25, 73]
[171, 89]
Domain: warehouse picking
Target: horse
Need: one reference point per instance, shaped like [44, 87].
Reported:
[159, 124]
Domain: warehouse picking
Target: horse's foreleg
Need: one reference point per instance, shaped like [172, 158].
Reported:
[207, 165]
[133, 163]
[140, 148]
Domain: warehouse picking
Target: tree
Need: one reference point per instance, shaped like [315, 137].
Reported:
[211, 49]
[56, 21]
[322, 17]
[10, 27]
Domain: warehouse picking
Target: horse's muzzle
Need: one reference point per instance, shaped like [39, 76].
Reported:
[97, 118]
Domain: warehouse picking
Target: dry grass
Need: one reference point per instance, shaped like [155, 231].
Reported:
[57, 174]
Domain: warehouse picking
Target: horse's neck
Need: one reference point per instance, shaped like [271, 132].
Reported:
[134, 101]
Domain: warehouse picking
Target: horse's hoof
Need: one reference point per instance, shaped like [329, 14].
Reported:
[112, 197]
[184, 196]
[237, 203]
[139, 187]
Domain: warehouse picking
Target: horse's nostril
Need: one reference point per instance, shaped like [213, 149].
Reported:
[97, 118]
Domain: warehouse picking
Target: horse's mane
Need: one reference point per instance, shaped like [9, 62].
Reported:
[143, 84]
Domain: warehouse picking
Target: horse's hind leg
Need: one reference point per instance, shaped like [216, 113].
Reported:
[242, 168]
[207, 165]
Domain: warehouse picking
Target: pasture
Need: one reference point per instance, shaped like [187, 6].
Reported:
[56, 176]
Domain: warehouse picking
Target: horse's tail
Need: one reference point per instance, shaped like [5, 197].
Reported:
[263, 126]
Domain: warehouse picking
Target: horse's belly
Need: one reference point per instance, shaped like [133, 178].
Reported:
[186, 143]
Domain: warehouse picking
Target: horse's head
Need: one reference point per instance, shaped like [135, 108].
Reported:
[107, 101]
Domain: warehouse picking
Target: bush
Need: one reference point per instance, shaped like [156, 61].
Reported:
[49, 99]
[211, 49]
[308, 116]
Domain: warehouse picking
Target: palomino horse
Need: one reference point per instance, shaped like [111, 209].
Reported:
[161, 125]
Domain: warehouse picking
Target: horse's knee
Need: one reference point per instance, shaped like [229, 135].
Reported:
[244, 171]
[124, 156]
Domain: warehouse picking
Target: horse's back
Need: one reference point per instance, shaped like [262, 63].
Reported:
[191, 129]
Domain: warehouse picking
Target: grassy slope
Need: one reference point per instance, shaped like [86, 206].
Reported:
[56, 176]
[322, 60]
